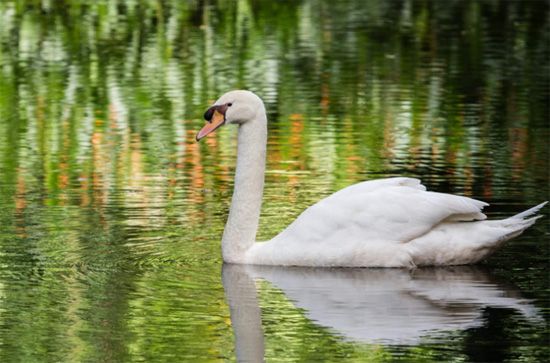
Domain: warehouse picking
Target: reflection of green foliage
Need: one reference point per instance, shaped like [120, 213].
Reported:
[101, 183]
[186, 324]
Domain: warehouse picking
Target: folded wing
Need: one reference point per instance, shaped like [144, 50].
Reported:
[395, 210]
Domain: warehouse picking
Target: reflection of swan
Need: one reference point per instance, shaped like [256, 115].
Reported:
[390, 306]
[388, 222]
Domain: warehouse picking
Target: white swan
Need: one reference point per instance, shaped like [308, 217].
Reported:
[391, 222]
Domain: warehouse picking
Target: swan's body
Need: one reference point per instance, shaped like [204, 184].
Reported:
[391, 222]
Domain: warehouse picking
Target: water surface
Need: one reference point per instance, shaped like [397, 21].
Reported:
[111, 214]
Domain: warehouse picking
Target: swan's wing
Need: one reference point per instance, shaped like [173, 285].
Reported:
[394, 210]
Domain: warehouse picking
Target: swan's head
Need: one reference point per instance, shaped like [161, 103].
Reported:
[234, 107]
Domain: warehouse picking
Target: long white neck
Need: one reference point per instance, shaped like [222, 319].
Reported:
[244, 214]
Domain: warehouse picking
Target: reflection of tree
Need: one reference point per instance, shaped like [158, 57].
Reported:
[157, 57]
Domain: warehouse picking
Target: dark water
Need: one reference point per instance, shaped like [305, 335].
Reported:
[111, 214]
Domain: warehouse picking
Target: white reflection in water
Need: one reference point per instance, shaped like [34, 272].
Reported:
[389, 306]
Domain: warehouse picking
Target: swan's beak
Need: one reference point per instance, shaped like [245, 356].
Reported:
[215, 116]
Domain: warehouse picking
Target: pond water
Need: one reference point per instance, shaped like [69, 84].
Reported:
[111, 214]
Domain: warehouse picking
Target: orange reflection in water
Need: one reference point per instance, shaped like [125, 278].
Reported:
[297, 141]
[195, 173]
[20, 205]
[518, 137]
[97, 177]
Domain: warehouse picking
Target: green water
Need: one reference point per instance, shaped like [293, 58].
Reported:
[111, 214]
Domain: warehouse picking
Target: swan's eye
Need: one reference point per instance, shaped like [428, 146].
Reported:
[229, 104]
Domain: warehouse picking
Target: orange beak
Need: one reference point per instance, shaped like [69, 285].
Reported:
[215, 116]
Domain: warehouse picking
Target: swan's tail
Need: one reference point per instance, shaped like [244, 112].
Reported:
[469, 242]
[507, 229]
[529, 212]
[520, 222]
